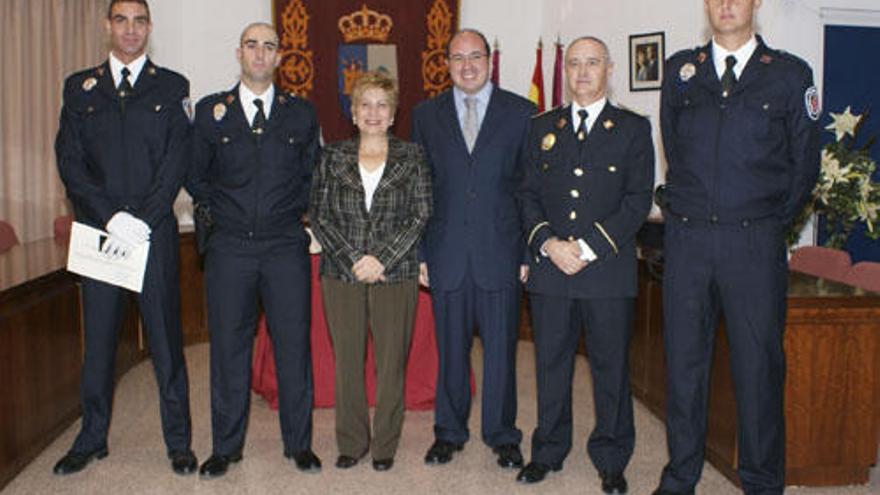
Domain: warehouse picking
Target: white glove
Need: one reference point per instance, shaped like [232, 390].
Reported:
[116, 248]
[129, 228]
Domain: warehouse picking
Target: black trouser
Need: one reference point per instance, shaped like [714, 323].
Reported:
[496, 315]
[159, 305]
[740, 270]
[608, 327]
[237, 271]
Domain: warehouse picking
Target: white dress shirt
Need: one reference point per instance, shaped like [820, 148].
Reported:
[247, 98]
[134, 67]
[371, 182]
[742, 54]
[593, 111]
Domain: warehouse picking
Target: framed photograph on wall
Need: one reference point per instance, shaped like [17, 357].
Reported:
[647, 53]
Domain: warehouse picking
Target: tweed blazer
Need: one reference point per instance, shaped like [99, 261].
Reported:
[391, 230]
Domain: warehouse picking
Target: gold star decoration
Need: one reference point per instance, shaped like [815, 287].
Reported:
[844, 123]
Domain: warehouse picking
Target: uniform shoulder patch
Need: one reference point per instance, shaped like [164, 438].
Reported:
[811, 101]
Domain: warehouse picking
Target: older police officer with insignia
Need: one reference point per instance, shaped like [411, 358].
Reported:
[253, 153]
[122, 147]
[738, 121]
[586, 193]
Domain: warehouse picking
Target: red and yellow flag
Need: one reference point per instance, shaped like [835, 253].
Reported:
[536, 90]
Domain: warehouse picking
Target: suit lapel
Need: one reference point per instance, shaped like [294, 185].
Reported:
[146, 80]
[346, 168]
[754, 68]
[394, 166]
[706, 75]
[449, 117]
[601, 132]
[565, 133]
[105, 81]
[491, 121]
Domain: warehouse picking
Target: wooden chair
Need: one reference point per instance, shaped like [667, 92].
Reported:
[61, 227]
[833, 264]
[7, 236]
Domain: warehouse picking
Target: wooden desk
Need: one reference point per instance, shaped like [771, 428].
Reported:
[41, 345]
[832, 388]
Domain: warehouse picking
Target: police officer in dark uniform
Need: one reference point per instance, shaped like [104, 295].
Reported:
[122, 148]
[586, 193]
[739, 129]
[253, 153]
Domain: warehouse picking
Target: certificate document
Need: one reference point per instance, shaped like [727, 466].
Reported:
[85, 258]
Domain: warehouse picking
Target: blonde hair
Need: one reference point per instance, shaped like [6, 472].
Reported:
[376, 79]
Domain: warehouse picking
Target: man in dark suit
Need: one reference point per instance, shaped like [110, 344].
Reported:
[586, 193]
[741, 139]
[473, 249]
[122, 148]
[253, 153]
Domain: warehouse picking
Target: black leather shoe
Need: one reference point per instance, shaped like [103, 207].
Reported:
[345, 461]
[535, 472]
[613, 482]
[509, 455]
[383, 464]
[217, 465]
[74, 462]
[441, 452]
[305, 460]
[183, 462]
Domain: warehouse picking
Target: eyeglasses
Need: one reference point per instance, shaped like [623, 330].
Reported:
[474, 57]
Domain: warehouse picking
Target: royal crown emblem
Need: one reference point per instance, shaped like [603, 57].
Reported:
[365, 24]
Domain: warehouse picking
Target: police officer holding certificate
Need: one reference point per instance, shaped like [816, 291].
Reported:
[122, 147]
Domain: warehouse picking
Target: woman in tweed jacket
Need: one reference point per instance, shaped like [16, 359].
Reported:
[371, 198]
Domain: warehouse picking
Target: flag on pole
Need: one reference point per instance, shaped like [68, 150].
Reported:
[557, 75]
[536, 90]
[496, 62]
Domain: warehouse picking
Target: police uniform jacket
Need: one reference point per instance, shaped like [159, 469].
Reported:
[599, 192]
[123, 151]
[255, 183]
[751, 154]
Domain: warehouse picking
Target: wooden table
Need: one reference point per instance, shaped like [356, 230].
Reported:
[41, 344]
[832, 387]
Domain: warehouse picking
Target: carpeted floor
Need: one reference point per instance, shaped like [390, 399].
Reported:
[137, 463]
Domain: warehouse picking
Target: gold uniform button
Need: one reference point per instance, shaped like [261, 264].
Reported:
[575, 193]
[578, 171]
[224, 139]
[612, 168]
[573, 215]
[571, 238]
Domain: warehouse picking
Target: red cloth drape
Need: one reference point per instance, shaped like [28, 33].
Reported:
[421, 370]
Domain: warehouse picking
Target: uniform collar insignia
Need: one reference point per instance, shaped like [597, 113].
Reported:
[230, 98]
[100, 71]
[282, 99]
[151, 71]
[702, 57]
[608, 124]
[561, 123]
[766, 59]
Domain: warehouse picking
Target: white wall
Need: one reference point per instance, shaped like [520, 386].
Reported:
[198, 38]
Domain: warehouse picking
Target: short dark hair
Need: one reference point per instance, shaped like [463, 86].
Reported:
[474, 32]
[114, 2]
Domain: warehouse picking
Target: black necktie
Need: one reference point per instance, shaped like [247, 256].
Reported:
[125, 86]
[728, 79]
[259, 122]
[582, 128]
